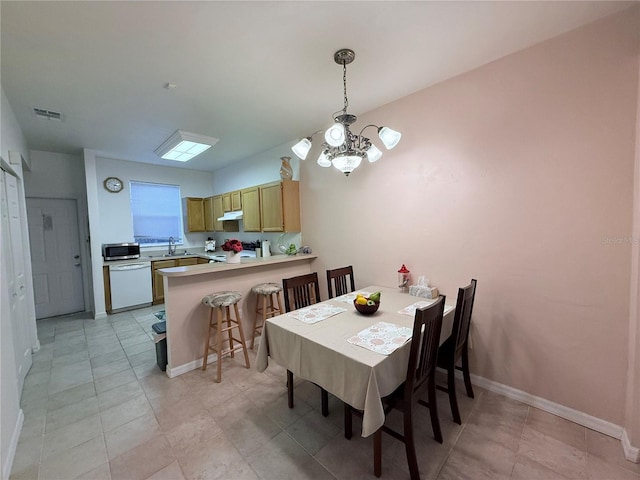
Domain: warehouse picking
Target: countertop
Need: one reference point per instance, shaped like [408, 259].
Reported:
[222, 266]
[162, 255]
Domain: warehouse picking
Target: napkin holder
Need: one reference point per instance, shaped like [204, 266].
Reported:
[423, 290]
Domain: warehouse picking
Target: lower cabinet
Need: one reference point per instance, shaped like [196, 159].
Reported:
[183, 262]
[157, 281]
[107, 288]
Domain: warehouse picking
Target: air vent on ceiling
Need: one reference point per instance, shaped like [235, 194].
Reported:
[47, 114]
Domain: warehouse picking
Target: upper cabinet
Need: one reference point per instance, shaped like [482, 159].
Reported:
[236, 201]
[251, 209]
[272, 207]
[218, 211]
[202, 213]
[209, 219]
[195, 214]
[226, 201]
[232, 201]
[280, 206]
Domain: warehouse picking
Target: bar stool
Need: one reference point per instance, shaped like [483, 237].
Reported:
[220, 304]
[264, 295]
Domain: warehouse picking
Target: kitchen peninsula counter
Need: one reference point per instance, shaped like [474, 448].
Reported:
[222, 266]
[187, 317]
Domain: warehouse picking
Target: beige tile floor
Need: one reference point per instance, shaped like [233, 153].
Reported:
[97, 407]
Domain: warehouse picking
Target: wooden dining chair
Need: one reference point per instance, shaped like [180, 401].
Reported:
[420, 374]
[340, 279]
[456, 348]
[300, 292]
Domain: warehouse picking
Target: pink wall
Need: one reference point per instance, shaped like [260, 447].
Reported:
[513, 174]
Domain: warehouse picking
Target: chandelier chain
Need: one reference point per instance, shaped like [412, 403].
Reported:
[344, 82]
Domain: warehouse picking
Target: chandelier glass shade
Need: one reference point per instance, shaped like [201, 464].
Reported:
[341, 147]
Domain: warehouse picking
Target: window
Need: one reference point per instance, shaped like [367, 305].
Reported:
[157, 213]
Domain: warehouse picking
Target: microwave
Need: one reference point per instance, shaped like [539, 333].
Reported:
[120, 251]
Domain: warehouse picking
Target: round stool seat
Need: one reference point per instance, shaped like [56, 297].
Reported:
[222, 299]
[266, 288]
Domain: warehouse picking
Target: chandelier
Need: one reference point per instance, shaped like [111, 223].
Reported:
[341, 148]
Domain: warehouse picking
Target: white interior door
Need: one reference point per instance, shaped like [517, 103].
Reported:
[55, 256]
[13, 257]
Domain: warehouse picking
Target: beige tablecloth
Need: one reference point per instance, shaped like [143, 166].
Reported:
[320, 353]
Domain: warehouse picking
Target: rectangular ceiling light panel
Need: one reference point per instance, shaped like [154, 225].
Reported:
[183, 146]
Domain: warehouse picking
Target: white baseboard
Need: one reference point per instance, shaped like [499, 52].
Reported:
[13, 445]
[36, 347]
[100, 315]
[187, 367]
[631, 453]
[575, 416]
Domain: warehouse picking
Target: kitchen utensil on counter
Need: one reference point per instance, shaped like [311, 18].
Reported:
[266, 248]
[209, 245]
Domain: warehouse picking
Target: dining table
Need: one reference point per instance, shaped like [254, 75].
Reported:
[358, 358]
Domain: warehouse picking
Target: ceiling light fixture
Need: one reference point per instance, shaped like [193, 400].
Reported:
[183, 146]
[341, 148]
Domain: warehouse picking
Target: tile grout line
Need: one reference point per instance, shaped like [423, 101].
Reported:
[457, 437]
[524, 423]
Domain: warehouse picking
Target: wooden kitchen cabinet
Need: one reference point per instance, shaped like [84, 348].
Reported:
[156, 281]
[280, 206]
[232, 201]
[202, 260]
[184, 262]
[236, 201]
[218, 211]
[209, 219]
[226, 202]
[251, 209]
[107, 288]
[195, 214]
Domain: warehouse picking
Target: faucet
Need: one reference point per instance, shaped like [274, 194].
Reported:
[172, 246]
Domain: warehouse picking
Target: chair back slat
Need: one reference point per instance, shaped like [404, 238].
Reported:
[301, 291]
[341, 280]
[462, 318]
[424, 345]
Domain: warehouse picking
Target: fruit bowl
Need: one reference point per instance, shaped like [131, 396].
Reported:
[366, 309]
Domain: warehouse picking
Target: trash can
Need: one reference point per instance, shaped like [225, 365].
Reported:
[160, 339]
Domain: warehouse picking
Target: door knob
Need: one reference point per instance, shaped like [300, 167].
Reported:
[76, 256]
[78, 264]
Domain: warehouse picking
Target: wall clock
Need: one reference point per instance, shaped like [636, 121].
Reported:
[113, 184]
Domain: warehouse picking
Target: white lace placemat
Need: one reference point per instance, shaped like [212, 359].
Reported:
[411, 309]
[382, 337]
[316, 313]
[350, 297]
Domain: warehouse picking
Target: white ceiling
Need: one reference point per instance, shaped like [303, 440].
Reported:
[253, 74]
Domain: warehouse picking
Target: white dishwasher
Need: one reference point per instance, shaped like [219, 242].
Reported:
[130, 284]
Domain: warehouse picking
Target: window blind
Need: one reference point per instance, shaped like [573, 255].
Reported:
[157, 213]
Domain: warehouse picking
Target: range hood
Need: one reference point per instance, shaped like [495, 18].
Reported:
[231, 216]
